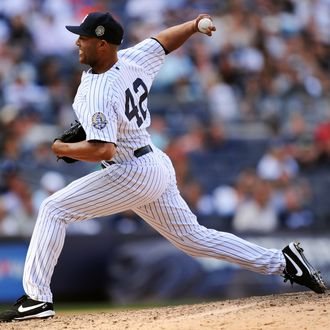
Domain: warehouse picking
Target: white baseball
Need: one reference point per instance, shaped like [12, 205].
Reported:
[204, 24]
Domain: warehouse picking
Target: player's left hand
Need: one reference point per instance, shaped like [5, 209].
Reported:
[75, 133]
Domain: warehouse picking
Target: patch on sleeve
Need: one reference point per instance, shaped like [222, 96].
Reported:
[99, 120]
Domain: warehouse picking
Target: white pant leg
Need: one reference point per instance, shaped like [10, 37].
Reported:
[100, 193]
[172, 218]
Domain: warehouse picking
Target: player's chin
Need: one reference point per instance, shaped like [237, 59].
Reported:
[81, 59]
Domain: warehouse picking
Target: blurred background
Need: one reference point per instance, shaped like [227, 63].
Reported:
[244, 116]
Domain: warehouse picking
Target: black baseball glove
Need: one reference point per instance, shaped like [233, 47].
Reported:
[75, 133]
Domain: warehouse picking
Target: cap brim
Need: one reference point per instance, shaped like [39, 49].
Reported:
[78, 30]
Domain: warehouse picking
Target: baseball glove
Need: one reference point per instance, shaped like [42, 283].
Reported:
[75, 133]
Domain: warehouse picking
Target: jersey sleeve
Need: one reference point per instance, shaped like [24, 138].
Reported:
[101, 123]
[149, 54]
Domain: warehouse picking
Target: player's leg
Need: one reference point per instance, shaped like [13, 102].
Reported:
[171, 217]
[98, 194]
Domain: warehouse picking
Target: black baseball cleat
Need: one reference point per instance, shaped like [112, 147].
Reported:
[26, 308]
[300, 271]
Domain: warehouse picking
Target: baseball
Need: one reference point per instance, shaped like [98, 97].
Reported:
[204, 24]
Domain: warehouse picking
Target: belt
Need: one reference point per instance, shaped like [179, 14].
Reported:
[142, 151]
[137, 153]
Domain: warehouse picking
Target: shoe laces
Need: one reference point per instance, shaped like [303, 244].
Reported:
[288, 277]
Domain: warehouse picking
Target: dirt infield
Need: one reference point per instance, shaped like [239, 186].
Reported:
[304, 310]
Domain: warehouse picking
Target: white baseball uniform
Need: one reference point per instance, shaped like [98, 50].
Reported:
[112, 107]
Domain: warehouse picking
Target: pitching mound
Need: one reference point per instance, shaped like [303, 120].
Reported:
[303, 310]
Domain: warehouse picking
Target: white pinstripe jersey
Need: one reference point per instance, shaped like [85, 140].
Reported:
[112, 106]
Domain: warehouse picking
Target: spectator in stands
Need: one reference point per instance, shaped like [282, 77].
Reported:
[225, 200]
[277, 165]
[158, 132]
[3, 214]
[200, 203]
[23, 92]
[299, 136]
[10, 147]
[257, 214]
[18, 213]
[222, 100]
[215, 137]
[296, 211]
[50, 182]
[245, 183]
[49, 22]
[322, 138]
[20, 36]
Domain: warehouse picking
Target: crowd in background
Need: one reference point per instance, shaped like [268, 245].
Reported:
[262, 79]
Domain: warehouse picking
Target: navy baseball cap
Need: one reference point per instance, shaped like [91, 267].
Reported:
[99, 25]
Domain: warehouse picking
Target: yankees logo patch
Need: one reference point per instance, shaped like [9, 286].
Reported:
[99, 120]
[99, 31]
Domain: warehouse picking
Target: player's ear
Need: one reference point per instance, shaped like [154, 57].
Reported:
[103, 43]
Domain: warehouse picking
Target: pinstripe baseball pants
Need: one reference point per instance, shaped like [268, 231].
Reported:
[147, 185]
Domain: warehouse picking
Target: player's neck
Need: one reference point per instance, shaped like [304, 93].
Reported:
[105, 64]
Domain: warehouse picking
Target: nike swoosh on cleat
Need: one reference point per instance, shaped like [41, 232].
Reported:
[22, 309]
[299, 271]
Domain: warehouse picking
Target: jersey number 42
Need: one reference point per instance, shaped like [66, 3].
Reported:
[133, 110]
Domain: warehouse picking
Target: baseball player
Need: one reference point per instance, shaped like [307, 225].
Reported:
[111, 104]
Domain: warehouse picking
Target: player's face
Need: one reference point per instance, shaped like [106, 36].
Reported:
[87, 50]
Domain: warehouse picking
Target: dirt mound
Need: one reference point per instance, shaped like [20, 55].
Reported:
[303, 310]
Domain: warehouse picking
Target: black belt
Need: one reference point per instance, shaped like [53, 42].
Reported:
[142, 151]
[137, 153]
